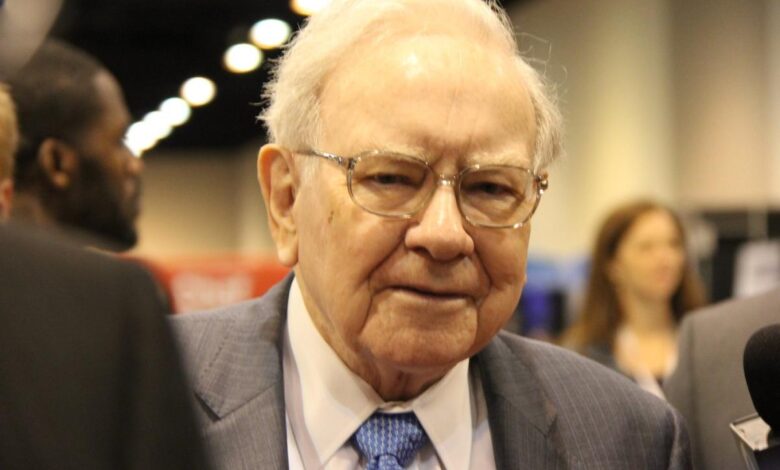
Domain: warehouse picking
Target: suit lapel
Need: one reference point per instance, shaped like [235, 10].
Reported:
[242, 385]
[242, 388]
[522, 419]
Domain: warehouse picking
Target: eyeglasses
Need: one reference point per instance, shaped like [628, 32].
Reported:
[394, 185]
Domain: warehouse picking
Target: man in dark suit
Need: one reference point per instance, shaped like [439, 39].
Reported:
[708, 386]
[408, 150]
[89, 376]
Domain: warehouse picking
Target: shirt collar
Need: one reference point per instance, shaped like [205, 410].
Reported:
[332, 393]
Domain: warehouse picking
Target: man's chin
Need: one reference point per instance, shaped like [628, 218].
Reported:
[125, 240]
[120, 237]
[422, 355]
[98, 239]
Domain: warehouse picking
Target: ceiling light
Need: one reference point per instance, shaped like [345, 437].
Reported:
[176, 111]
[198, 91]
[270, 33]
[158, 124]
[308, 7]
[134, 148]
[140, 137]
[242, 58]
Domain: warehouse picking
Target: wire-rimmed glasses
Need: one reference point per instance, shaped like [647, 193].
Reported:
[391, 184]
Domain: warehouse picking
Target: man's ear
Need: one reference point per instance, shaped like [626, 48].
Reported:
[279, 183]
[59, 162]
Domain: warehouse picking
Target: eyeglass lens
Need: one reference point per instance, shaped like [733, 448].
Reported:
[396, 186]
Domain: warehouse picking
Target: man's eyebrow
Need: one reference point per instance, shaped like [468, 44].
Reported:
[411, 150]
[393, 145]
[516, 158]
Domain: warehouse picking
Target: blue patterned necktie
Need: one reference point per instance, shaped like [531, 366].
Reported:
[389, 441]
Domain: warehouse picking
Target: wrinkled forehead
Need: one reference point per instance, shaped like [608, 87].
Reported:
[430, 94]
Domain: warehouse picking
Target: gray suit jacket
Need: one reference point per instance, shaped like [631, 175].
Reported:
[709, 386]
[548, 408]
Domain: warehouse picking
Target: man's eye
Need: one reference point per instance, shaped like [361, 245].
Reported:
[391, 179]
[486, 188]
[491, 188]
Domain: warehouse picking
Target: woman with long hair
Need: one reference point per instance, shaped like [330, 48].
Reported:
[641, 284]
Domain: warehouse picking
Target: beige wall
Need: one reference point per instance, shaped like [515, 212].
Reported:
[663, 98]
[610, 61]
[773, 92]
[720, 59]
[202, 203]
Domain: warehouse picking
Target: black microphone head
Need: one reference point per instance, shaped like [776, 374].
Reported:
[762, 372]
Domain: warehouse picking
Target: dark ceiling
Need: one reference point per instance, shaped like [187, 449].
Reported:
[152, 46]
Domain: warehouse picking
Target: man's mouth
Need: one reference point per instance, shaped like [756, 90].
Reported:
[431, 293]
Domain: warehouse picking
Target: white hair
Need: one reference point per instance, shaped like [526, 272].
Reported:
[293, 95]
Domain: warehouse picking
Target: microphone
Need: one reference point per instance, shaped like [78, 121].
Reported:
[757, 434]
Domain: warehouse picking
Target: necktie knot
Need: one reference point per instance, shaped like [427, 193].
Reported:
[390, 441]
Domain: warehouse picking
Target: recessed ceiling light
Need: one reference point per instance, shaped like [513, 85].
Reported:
[198, 91]
[242, 58]
[270, 33]
[176, 111]
[140, 137]
[308, 7]
[158, 124]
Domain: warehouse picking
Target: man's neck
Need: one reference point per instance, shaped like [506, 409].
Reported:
[28, 209]
[388, 382]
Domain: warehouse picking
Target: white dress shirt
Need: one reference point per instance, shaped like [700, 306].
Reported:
[326, 403]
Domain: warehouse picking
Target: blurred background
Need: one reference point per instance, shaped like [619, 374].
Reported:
[674, 100]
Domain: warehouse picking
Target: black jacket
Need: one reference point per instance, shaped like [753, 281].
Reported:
[89, 377]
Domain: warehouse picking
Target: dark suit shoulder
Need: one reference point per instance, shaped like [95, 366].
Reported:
[233, 354]
[600, 418]
[84, 340]
[557, 366]
[234, 359]
[757, 310]
[51, 275]
[32, 255]
[708, 387]
[545, 358]
[202, 334]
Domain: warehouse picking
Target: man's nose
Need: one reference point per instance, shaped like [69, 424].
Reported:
[440, 230]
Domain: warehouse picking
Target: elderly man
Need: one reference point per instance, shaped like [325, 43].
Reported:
[9, 137]
[409, 146]
[73, 168]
